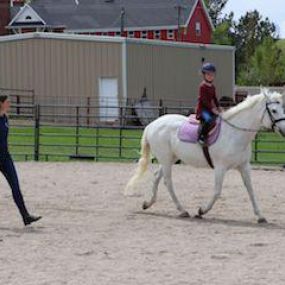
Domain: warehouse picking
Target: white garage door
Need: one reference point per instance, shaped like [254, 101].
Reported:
[108, 99]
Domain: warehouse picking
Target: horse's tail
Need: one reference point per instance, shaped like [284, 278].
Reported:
[142, 165]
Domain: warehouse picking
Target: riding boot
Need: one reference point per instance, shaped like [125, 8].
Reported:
[203, 133]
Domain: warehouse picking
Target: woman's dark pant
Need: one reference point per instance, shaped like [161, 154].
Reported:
[8, 169]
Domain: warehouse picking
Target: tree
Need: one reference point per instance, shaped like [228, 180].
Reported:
[266, 66]
[215, 9]
[250, 31]
[224, 31]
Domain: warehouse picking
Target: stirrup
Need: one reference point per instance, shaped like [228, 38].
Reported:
[202, 142]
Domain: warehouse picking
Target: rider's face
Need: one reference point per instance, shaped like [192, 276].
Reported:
[209, 76]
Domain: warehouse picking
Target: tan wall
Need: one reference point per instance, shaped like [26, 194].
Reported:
[59, 68]
[173, 73]
[64, 69]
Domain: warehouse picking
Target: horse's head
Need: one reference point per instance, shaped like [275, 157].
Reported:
[274, 114]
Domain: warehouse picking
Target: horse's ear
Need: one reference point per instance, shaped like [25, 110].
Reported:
[265, 91]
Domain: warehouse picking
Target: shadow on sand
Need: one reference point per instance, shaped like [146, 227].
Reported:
[216, 221]
[20, 231]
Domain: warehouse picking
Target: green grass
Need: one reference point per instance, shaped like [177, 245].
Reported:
[58, 143]
[270, 147]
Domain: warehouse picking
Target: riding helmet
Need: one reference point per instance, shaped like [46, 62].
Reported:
[208, 67]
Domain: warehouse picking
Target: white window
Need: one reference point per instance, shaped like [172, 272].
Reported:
[157, 34]
[198, 29]
[170, 34]
[131, 34]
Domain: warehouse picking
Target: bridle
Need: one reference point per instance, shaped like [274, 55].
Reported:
[273, 121]
[269, 112]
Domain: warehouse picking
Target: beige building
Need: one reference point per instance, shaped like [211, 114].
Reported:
[79, 70]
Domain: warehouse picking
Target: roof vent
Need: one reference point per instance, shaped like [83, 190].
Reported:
[109, 1]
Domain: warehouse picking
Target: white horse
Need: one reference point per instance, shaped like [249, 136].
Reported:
[231, 151]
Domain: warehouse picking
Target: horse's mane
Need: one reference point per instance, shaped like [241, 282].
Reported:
[250, 102]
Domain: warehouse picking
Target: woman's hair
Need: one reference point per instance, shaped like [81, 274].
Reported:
[3, 98]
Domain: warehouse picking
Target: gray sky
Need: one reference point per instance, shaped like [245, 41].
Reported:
[273, 9]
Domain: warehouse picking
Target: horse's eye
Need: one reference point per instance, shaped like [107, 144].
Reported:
[274, 111]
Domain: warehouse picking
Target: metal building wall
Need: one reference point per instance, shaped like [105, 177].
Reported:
[59, 67]
[65, 69]
[172, 71]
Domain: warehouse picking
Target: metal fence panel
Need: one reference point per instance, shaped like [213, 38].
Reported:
[69, 132]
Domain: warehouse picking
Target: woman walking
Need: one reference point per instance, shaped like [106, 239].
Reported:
[7, 165]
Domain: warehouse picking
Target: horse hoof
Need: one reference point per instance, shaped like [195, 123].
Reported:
[199, 217]
[200, 212]
[145, 206]
[262, 221]
[184, 215]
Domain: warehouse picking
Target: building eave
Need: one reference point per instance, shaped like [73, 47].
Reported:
[63, 36]
[208, 15]
[34, 26]
[206, 12]
[127, 29]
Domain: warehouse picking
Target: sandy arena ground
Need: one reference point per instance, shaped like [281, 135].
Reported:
[91, 234]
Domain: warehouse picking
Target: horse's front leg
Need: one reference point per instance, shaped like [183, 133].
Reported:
[167, 173]
[245, 174]
[219, 178]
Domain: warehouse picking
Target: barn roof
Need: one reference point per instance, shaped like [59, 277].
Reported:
[105, 14]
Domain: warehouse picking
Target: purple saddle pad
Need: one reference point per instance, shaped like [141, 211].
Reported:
[188, 132]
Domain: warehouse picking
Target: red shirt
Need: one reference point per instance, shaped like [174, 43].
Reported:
[207, 99]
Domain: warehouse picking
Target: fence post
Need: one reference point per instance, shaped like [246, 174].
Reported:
[37, 132]
[121, 115]
[97, 144]
[256, 148]
[121, 142]
[77, 131]
[165, 110]
[161, 109]
[18, 102]
[88, 111]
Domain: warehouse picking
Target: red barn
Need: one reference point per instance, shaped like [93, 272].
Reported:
[172, 20]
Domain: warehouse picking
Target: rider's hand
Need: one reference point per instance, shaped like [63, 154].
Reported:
[216, 111]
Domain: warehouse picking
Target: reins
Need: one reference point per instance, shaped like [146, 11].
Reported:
[238, 128]
[273, 121]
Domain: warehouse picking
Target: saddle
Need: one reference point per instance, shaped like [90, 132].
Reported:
[189, 131]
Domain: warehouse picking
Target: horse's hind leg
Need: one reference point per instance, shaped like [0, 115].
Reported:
[167, 173]
[157, 177]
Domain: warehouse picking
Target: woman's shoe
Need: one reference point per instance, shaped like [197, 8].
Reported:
[30, 219]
